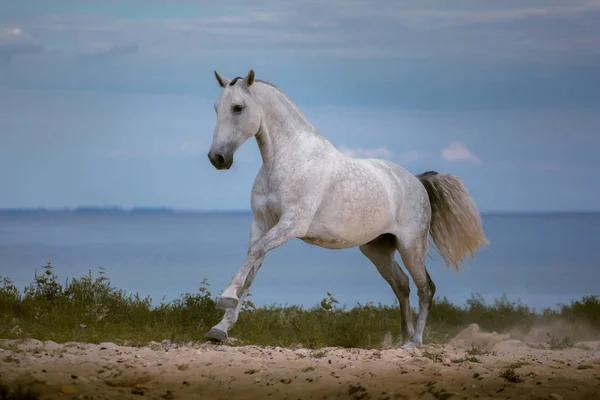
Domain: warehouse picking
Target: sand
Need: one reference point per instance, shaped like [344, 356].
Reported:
[208, 371]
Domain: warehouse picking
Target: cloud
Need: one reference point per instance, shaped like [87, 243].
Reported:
[13, 41]
[415, 15]
[401, 30]
[358, 152]
[107, 50]
[458, 152]
[13, 31]
[427, 55]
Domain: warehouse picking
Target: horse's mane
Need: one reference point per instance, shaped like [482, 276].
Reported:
[237, 78]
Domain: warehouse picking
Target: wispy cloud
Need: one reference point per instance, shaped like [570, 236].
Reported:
[105, 49]
[415, 47]
[13, 32]
[13, 41]
[527, 10]
[458, 152]
[413, 29]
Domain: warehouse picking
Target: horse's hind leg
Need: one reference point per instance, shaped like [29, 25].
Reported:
[413, 250]
[381, 253]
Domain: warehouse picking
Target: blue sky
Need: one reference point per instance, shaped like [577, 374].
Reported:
[110, 102]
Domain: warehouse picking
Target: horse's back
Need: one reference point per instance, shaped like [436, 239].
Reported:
[397, 174]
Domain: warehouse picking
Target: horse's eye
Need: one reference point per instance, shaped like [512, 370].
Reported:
[236, 108]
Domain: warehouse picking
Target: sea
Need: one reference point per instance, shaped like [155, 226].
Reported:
[541, 260]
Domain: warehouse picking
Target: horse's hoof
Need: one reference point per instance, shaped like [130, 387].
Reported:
[227, 302]
[410, 345]
[216, 335]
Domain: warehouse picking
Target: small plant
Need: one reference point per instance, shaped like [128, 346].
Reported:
[477, 351]
[510, 375]
[328, 302]
[45, 286]
[248, 305]
[440, 394]
[204, 287]
[433, 356]
[557, 344]
[318, 354]
[466, 358]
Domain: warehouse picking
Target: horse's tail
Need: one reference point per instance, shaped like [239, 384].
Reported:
[455, 226]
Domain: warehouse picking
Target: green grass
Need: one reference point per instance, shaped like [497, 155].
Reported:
[89, 309]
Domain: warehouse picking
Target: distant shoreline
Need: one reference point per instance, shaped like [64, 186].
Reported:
[83, 210]
[114, 211]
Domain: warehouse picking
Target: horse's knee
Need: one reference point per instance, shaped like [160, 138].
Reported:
[256, 252]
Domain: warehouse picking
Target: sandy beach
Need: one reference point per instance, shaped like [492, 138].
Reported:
[500, 367]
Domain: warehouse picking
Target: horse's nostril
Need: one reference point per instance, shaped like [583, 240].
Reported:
[220, 160]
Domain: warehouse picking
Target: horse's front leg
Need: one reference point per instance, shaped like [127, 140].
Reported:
[231, 299]
[218, 333]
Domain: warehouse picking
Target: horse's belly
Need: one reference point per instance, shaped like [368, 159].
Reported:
[342, 239]
[335, 229]
[329, 242]
[353, 212]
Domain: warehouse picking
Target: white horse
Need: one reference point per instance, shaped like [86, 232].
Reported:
[307, 189]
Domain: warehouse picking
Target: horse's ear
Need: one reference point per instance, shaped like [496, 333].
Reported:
[221, 79]
[249, 79]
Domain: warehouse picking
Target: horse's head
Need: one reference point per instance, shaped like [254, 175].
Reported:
[238, 119]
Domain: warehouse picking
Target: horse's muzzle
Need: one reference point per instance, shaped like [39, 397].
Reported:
[221, 160]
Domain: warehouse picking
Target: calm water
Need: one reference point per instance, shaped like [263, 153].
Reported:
[541, 259]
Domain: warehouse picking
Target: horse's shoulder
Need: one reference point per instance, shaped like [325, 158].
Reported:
[259, 185]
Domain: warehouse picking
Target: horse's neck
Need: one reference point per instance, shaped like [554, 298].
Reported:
[285, 132]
